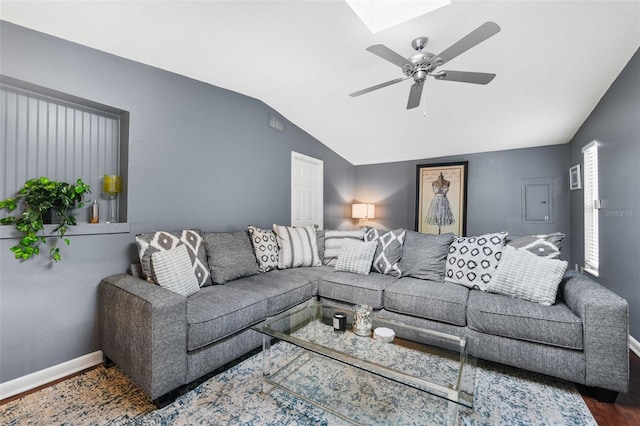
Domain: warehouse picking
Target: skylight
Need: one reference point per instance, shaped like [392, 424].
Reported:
[379, 15]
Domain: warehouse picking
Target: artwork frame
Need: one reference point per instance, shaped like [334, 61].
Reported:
[575, 178]
[441, 198]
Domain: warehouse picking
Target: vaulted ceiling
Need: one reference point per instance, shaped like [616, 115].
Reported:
[554, 60]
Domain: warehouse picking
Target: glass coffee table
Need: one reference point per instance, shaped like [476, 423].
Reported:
[421, 377]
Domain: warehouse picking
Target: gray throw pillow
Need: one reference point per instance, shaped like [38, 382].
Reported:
[524, 275]
[389, 250]
[230, 256]
[333, 241]
[424, 255]
[320, 244]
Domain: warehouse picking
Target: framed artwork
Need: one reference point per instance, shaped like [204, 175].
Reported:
[575, 182]
[441, 198]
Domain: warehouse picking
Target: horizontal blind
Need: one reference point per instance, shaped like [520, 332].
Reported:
[591, 240]
[44, 136]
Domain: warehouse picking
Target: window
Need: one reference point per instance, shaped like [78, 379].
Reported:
[591, 250]
[47, 133]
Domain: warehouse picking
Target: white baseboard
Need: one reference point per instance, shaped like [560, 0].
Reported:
[48, 375]
[634, 345]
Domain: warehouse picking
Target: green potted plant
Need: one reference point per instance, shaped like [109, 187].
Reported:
[37, 198]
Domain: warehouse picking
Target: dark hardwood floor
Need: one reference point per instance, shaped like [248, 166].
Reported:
[626, 410]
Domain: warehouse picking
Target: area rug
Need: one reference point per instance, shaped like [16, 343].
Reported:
[503, 395]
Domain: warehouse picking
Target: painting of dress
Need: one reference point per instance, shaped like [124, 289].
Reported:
[441, 198]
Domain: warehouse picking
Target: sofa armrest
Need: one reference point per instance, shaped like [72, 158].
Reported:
[143, 329]
[605, 319]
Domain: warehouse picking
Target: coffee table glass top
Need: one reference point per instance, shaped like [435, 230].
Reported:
[424, 360]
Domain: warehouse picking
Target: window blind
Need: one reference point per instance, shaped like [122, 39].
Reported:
[45, 136]
[591, 236]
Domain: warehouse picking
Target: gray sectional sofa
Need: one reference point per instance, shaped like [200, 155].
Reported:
[163, 340]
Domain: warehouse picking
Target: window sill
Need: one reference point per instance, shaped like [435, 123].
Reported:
[83, 228]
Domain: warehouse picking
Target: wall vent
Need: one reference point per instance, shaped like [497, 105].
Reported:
[276, 122]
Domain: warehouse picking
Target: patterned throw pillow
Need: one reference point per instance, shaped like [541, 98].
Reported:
[527, 276]
[333, 241]
[265, 248]
[296, 246]
[548, 246]
[172, 269]
[165, 240]
[472, 261]
[388, 252]
[356, 256]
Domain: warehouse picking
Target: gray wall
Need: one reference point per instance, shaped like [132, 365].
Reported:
[494, 190]
[199, 156]
[615, 124]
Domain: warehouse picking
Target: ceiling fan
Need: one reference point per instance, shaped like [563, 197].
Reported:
[423, 64]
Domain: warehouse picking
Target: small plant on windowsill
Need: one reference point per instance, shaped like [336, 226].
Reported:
[38, 198]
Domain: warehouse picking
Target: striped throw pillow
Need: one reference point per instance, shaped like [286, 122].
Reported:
[524, 275]
[296, 246]
[333, 241]
[172, 270]
[356, 256]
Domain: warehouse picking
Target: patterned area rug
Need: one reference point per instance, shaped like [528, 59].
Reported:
[503, 395]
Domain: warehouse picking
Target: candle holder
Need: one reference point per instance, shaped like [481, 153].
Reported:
[362, 320]
[112, 186]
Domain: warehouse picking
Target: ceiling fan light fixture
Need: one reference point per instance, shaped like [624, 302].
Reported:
[379, 15]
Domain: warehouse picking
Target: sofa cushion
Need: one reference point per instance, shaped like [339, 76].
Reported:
[218, 311]
[230, 256]
[389, 250]
[548, 245]
[505, 316]
[265, 248]
[165, 240]
[282, 290]
[434, 300]
[524, 275]
[354, 288]
[333, 241]
[312, 274]
[297, 246]
[472, 261]
[172, 270]
[424, 255]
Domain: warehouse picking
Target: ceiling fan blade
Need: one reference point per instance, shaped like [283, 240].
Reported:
[472, 39]
[387, 54]
[414, 95]
[377, 86]
[465, 77]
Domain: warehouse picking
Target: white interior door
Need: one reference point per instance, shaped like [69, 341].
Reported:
[306, 190]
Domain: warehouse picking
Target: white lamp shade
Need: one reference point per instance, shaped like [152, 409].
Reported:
[363, 211]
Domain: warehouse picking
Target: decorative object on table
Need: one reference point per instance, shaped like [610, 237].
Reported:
[362, 320]
[339, 322]
[112, 186]
[95, 212]
[363, 212]
[441, 199]
[39, 197]
[575, 180]
[384, 334]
